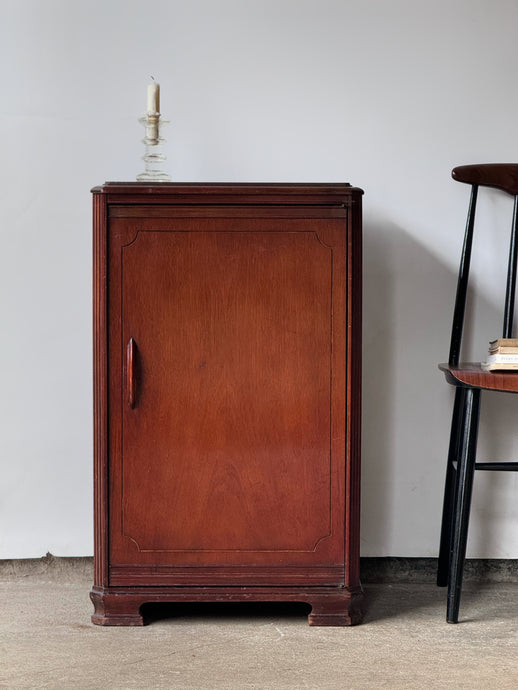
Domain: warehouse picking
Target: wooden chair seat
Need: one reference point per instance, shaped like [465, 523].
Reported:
[472, 374]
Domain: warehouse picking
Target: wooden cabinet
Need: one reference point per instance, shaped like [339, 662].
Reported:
[227, 366]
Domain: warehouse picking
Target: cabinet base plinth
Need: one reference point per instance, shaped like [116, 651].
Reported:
[329, 605]
[336, 609]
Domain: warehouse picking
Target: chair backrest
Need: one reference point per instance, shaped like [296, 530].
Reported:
[502, 176]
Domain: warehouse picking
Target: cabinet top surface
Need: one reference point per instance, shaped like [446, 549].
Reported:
[223, 192]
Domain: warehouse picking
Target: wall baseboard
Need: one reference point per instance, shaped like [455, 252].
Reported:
[373, 569]
[424, 570]
[48, 567]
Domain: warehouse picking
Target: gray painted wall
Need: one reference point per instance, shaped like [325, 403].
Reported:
[388, 95]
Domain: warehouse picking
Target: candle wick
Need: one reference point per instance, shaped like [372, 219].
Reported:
[152, 77]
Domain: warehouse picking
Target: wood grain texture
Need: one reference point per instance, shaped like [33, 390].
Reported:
[235, 341]
[228, 440]
[471, 374]
[239, 194]
[217, 575]
[100, 391]
[122, 606]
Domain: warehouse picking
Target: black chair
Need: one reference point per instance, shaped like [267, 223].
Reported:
[470, 379]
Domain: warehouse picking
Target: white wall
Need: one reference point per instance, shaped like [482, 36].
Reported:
[386, 94]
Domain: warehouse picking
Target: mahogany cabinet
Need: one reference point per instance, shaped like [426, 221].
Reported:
[227, 370]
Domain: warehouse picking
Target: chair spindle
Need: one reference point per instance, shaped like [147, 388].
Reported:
[462, 284]
[511, 275]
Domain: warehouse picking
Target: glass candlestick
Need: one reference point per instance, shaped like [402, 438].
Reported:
[154, 156]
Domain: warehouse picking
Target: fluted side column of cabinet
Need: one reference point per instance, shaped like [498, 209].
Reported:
[227, 368]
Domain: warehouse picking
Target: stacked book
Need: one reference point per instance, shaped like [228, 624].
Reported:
[503, 355]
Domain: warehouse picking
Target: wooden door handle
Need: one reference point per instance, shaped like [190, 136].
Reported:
[131, 379]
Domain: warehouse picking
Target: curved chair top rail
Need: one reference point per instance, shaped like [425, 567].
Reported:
[503, 176]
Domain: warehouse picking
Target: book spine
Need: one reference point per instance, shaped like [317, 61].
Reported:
[502, 359]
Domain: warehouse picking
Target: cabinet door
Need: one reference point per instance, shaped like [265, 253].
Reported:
[227, 363]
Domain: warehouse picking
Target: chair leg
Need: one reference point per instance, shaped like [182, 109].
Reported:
[449, 489]
[464, 486]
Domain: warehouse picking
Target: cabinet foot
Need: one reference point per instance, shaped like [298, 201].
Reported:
[336, 609]
[115, 609]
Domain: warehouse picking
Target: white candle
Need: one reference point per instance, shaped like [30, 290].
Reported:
[153, 97]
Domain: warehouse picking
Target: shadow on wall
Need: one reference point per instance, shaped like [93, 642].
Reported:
[407, 311]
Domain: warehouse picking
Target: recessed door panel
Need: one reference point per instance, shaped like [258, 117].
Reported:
[226, 361]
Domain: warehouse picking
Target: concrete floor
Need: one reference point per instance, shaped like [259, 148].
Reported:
[47, 641]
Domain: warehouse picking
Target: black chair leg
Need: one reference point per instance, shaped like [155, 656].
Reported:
[449, 489]
[464, 486]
